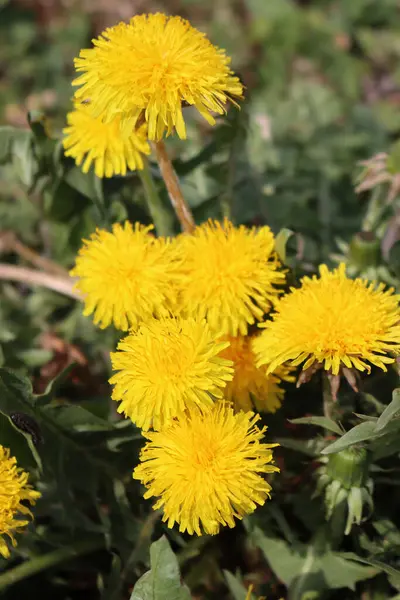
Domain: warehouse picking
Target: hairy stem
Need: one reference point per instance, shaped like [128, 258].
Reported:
[171, 181]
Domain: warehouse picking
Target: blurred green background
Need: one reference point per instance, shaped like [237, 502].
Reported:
[323, 87]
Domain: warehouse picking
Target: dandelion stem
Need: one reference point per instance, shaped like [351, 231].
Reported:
[161, 217]
[41, 563]
[63, 285]
[178, 202]
[327, 397]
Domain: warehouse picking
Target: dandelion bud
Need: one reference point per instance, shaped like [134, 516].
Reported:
[344, 478]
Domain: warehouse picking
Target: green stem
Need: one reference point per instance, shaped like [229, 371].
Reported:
[337, 525]
[374, 211]
[41, 563]
[161, 217]
[328, 402]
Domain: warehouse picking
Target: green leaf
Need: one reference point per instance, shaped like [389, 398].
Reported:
[84, 183]
[281, 241]
[7, 136]
[77, 418]
[90, 186]
[23, 158]
[390, 411]
[236, 587]
[337, 568]
[16, 147]
[378, 565]
[310, 447]
[323, 422]
[309, 569]
[52, 387]
[360, 433]
[163, 581]
[283, 559]
[15, 392]
[13, 438]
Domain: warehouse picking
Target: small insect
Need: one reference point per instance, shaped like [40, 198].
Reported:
[28, 425]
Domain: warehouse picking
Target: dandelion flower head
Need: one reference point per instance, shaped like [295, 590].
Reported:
[230, 275]
[207, 469]
[14, 490]
[333, 321]
[89, 140]
[126, 275]
[166, 367]
[251, 387]
[151, 67]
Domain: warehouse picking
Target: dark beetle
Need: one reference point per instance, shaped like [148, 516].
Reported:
[27, 424]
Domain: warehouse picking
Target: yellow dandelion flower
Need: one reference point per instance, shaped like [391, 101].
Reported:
[126, 275]
[166, 367]
[88, 140]
[207, 469]
[149, 68]
[14, 490]
[332, 321]
[251, 387]
[229, 275]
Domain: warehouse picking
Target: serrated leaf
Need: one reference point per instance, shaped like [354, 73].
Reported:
[283, 559]
[377, 564]
[360, 433]
[163, 581]
[323, 422]
[390, 411]
[308, 569]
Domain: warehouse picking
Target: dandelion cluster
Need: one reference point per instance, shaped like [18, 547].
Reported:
[178, 374]
[14, 490]
[191, 370]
